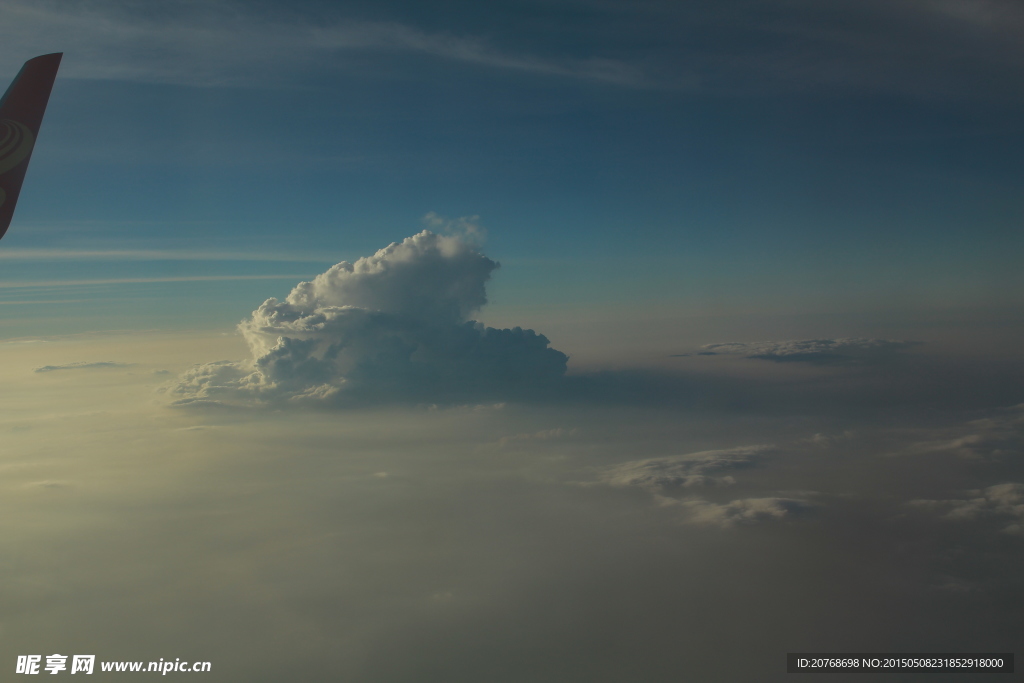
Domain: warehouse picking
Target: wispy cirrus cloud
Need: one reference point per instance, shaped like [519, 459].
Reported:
[920, 47]
[225, 43]
[16, 254]
[35, 302]
[27, 284]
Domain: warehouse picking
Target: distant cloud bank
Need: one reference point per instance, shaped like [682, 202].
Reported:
[819, 351]
[82, 366]
[394, 326]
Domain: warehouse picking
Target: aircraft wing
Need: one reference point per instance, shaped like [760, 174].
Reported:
[21, 113]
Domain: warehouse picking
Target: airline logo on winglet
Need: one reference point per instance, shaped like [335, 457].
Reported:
[15, 144]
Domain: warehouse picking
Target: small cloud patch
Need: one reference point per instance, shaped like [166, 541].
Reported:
[543, 435]
[998, 437]
[48, 484]
[742, 511]
[706, 468]
[1002, 501]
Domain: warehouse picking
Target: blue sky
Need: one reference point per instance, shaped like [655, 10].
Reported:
[676, 159]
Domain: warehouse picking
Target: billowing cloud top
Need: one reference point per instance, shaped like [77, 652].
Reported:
[428, 277]
[392, 326]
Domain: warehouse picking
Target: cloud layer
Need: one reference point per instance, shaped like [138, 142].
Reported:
[392, 326]
[420, 540]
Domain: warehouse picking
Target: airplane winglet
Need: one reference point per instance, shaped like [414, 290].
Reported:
[21, 113]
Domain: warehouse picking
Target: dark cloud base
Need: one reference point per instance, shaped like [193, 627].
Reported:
[932, 388]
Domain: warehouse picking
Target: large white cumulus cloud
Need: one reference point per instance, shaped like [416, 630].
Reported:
[392, 326]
